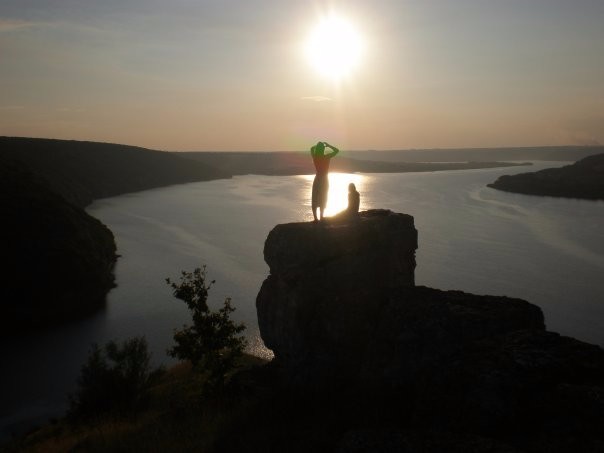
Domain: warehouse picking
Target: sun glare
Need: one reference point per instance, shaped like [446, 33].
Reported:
[334, 47]
[337, 198]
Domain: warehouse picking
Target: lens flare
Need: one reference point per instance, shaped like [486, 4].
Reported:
[334, 47]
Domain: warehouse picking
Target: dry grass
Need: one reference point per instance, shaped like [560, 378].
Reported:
[176, 419]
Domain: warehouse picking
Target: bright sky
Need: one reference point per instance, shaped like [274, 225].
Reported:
[235, 75]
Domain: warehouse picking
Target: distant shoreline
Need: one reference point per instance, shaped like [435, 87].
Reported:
[582, 180]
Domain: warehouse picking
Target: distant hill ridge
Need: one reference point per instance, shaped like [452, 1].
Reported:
[583, 179]
[547, 153]
[284, 163]
[391, 161]
[84, 171]
[61, 259]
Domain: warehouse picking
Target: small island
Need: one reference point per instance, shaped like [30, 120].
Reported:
[583, 179]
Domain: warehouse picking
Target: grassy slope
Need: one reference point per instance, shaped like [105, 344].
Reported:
[175, 420]
[256, 414]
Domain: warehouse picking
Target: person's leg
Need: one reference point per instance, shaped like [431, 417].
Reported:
[323, 195]
[315, 197]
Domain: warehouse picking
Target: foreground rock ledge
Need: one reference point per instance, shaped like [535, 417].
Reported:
[340, 302]
[340, 311]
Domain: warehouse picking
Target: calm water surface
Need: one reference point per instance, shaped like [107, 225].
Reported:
[546, 250]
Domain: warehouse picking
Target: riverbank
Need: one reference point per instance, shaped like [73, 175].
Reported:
[583, 180]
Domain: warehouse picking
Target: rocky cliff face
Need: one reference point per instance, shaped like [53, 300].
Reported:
[340, 301]
[340, 306]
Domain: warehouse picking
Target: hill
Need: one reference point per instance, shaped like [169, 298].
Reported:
[547, 153]
[583, 179]
[58, 259]
[84, 171]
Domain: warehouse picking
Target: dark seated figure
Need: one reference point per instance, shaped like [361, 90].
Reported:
[354, 200]
[352, 211]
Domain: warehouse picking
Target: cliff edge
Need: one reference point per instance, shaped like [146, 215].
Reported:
[340, 309]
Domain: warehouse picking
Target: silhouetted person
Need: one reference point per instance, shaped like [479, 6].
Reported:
[354, 200]
[351, 213]
[320, 185]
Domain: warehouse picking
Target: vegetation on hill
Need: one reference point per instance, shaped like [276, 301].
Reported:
[213, 341]
[59, 260]
[115, 379]
[583, 179]
[121, 404]
[258, 412]
[174, 418]
[84, 171]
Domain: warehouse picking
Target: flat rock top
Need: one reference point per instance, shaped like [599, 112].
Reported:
[376, 231]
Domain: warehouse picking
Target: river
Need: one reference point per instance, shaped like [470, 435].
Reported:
[546, 250]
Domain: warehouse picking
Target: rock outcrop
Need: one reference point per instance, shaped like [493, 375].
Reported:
[340, 310]
[341, 301]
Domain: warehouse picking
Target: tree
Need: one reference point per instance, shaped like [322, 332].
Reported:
[213, 341]
[115, 377]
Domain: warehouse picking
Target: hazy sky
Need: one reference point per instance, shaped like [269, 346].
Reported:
[231, 75]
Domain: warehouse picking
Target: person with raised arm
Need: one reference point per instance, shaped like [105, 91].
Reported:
[320, 185]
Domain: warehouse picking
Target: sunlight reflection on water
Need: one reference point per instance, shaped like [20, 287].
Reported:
[337, 198]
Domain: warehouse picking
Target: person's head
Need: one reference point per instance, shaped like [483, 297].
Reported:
[320, 148]
[352, 187]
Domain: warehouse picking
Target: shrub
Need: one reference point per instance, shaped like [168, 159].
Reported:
[213, 341]
[115, 378]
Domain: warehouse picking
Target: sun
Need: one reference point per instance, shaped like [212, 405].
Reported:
[334, 47]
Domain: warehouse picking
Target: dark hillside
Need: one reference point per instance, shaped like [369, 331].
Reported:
[583, 179]
[85, 171]
[58, 259]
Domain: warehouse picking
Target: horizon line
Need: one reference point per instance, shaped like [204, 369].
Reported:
[475, 148]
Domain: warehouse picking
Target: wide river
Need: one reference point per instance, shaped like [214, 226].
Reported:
[472, 238]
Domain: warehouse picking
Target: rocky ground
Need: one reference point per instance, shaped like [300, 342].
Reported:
[340, 307]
